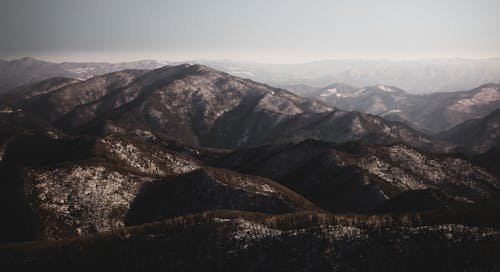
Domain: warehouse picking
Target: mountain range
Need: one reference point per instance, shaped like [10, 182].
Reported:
[432, 113]
[416, 76]
[188, 168]
[201, 106]
[28, 70]
[478, 135]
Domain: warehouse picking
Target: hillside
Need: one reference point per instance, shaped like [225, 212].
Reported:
[68, 186]
[360, 177]
[229, 241]
[434, 112]
[476, 135]
[204, 107]
[23, 71]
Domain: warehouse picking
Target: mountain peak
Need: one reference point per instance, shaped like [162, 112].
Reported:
[27, 59]
[385, 89]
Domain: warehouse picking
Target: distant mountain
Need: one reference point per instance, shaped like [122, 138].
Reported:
[205, 107]
[29, 70]
[476, 135]
[304, 90]
[374, 99]
[430, 112]
[416, 76]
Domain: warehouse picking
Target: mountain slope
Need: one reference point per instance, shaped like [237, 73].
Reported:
[242, 241]
[24, 71]
[204, 107]
[360, 177]
[68, 186]
[416, 76]
[59, 102]
[477, 135]
[433, 112]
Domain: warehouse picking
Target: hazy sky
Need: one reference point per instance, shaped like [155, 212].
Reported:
[255, 30]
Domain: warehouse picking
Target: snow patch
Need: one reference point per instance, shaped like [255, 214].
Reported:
[392, 111]
[53, 135]
[150, 162]
[339, 232]
[385, 88]
[357, 127]
[82, 70]
[252, 185]
[389, 173]
[242, 73]
[90, 198]
[278, 104]
[329, 92]
[251, 231]
[484, 96]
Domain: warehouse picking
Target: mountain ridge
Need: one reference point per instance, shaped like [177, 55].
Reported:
[476, 135]
[206, 107]
[433, 112]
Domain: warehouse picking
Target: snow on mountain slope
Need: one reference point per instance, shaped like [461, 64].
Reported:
[205, 107]
[430, 112]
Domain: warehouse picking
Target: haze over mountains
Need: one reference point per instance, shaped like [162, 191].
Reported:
[27, 70]
[433, 112]
[159, 165]
[414, 76]
[253, 136]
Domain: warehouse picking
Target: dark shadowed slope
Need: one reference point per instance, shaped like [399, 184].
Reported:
[360, 177]
[477, 135]
[242, 241]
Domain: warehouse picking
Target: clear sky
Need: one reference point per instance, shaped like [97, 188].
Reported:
[283, 31]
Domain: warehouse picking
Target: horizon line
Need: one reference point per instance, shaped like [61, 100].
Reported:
[194, 60]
